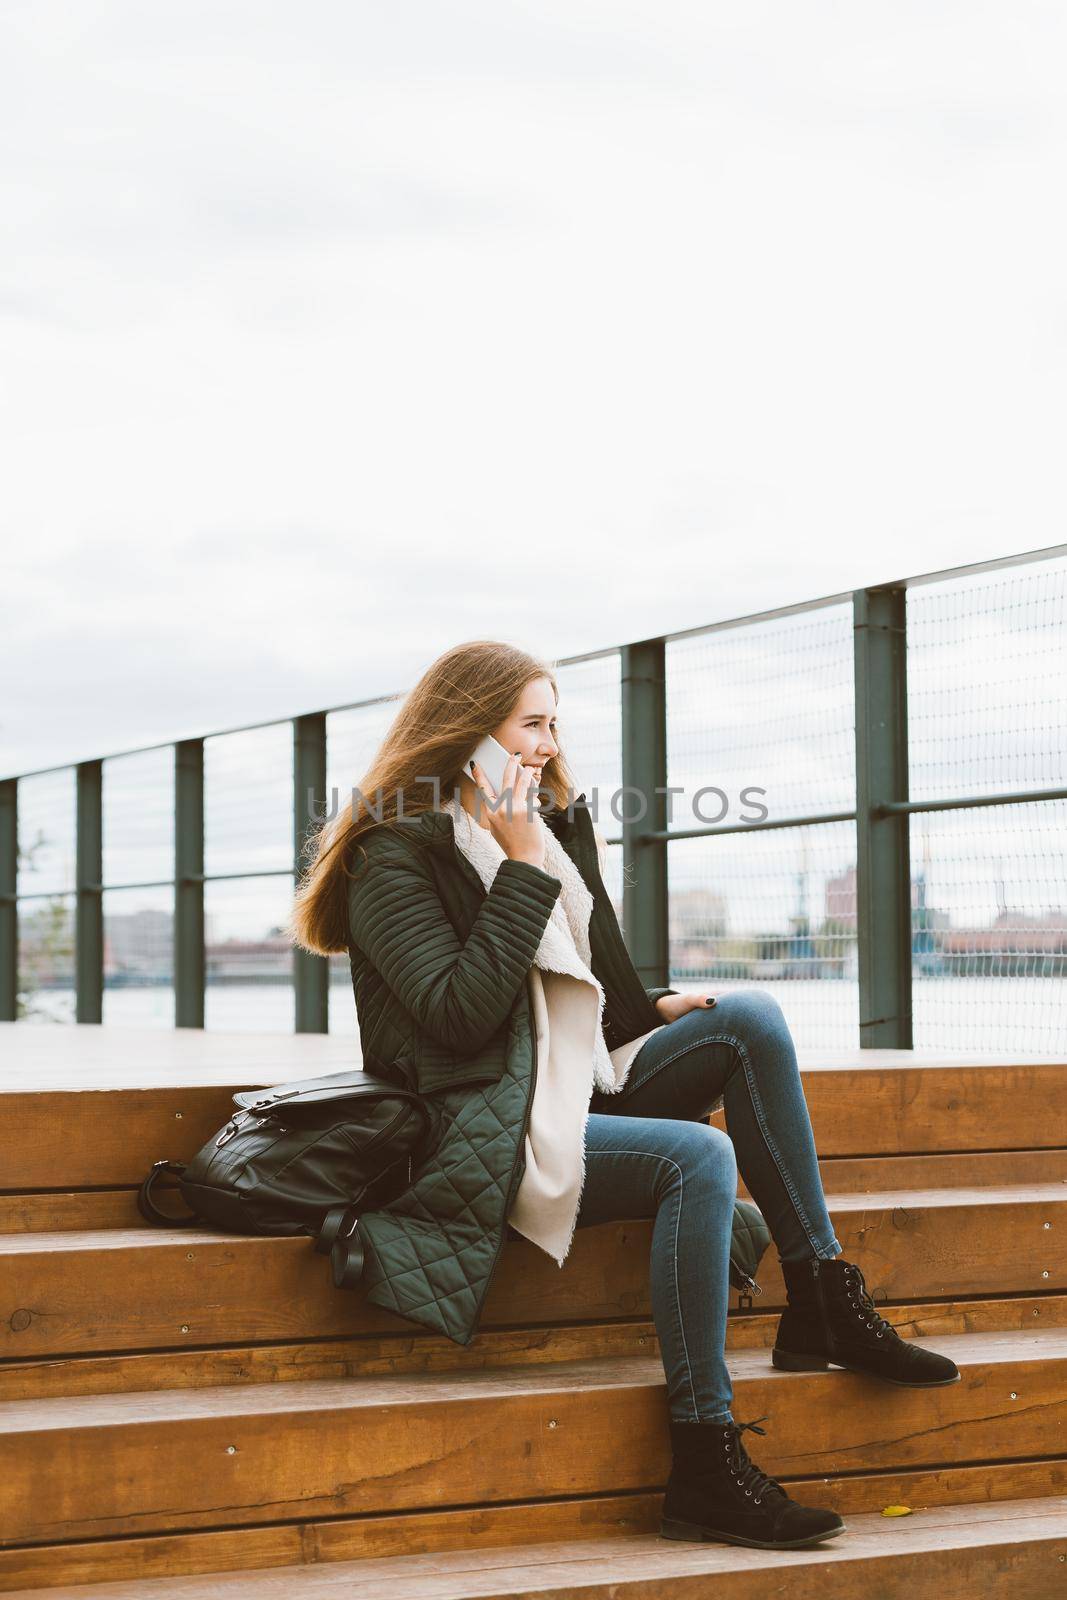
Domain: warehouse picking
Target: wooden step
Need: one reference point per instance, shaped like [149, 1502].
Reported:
[1015, 1549]
[130, 1289]
[84, 1210]
[371, 1355]
[918, 1107]
[969, 1170]
[118, 1465]
[119, 1117]
[198, 1402]
[479, 1529]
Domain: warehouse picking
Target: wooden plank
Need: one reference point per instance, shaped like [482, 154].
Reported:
[956, 1553]
[153, 1462]
[111, 1137]
[373, 1355]
[108, 1137]
[99, 1056]
[974, 1169]
[84, 1209]
[918, 1110]
[489, 1527]
[78, 1211]
[129, 1289]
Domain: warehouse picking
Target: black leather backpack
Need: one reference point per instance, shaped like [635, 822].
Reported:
[308, 1157]
[304, 1157]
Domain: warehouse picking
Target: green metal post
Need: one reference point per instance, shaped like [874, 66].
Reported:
[883, 860]
[89, 897]
[9, 911]
[644, 769]
[311, 974]
[189, 883]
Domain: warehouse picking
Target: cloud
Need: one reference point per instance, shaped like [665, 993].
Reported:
[332, 338]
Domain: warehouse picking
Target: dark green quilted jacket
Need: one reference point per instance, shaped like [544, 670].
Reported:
[439, 969]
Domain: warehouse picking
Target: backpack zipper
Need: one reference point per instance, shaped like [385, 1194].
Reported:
[748, 1288]
[232, 1128]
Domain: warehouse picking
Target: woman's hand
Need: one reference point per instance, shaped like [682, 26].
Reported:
[673, 1006]
[521, 835]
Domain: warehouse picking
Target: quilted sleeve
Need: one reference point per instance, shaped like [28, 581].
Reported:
[459, 993]
[654, 994]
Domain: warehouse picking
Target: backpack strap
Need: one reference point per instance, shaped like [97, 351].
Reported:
[147, 1206]
[339, 1238]
[331, 1227]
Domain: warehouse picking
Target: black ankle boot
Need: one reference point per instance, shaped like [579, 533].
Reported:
[716, 1492]
[831, 1318]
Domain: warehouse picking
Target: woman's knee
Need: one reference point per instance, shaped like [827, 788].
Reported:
[705, 1153]
[749, 1011]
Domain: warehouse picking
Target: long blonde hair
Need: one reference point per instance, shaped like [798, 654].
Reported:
[464, 694]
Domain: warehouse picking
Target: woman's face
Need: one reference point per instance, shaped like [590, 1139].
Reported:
[531, 727]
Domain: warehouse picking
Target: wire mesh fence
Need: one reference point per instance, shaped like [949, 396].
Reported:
[761, 724]
[987, 715]
[760, 729]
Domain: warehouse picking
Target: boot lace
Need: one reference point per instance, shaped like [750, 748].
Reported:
[865, 1306]
[749, 1477]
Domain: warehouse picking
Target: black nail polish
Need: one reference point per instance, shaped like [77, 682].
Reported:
[709, 1002]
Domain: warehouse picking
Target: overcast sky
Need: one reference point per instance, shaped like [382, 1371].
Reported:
[333, 334]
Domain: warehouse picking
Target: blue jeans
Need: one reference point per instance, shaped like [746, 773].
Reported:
[647, 1154]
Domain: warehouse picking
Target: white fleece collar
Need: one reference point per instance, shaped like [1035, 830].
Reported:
[564, 945]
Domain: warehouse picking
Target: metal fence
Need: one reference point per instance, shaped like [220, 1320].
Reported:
[905, 884]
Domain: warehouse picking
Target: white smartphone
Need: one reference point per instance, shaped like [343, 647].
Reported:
[492, 758]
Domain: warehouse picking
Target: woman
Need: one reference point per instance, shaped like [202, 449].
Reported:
[490, 974]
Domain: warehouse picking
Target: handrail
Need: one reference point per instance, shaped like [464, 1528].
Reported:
[843, 597]
[881, 818]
